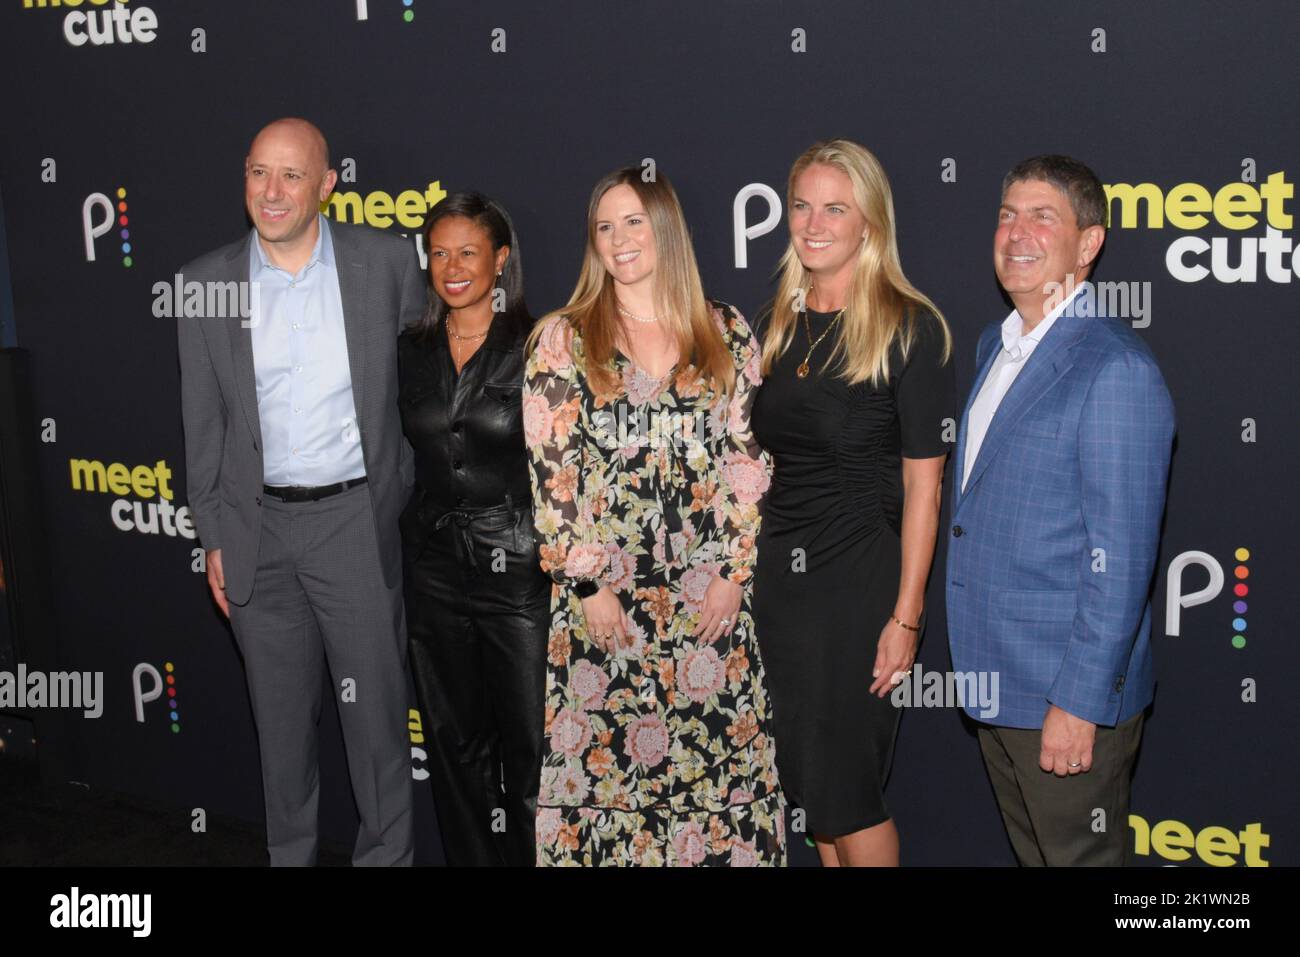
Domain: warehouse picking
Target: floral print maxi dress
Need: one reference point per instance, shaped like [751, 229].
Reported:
[659, 753]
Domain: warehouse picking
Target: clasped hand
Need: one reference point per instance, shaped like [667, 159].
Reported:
[608, 624]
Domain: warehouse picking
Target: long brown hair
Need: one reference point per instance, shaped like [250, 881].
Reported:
[679, 296]
[881, 302]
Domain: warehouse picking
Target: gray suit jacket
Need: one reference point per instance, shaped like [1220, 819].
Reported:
[382, 293]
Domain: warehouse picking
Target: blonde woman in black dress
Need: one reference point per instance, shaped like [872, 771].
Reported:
[856, 398]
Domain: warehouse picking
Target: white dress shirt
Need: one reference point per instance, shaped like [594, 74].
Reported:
[1017, 347]
[304, 382]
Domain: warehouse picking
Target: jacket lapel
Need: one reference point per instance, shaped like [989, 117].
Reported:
[959, 456]
[350, 262]
[1050, 360]
[241, 346]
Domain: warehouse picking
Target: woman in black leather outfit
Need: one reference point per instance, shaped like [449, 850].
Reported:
[477, 603]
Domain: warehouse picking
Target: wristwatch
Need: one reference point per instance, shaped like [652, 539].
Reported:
[585, 588]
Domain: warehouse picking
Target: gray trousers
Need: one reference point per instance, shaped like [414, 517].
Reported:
[319, 598]
[1079, 820]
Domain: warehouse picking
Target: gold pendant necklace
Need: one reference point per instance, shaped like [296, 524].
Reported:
[802, 370]
[459, 339]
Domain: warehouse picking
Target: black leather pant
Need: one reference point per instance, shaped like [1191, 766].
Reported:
[478, 617]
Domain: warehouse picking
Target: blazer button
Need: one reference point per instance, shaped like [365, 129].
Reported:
[254, 446]
[1119, 684]
[455, 428]
[258, 500]
[956, 531]
[456, 465]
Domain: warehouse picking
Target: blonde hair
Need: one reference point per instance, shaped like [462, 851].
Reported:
[881, 302]
[679, 296]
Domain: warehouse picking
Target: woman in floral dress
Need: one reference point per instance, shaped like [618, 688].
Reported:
[647, 486]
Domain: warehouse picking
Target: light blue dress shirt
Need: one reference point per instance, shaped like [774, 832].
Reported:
[304, 384]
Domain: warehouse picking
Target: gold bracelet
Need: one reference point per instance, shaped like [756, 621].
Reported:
[901, 624]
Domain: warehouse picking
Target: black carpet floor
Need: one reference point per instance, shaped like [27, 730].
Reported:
[76, 827]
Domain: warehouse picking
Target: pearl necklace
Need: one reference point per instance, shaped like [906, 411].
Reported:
[632, 315]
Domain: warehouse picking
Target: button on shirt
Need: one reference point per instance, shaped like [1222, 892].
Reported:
[300, 357]
[1017, 347]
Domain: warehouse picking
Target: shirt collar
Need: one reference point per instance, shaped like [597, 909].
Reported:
[1019, 345]
[322, 252]
[500, 337]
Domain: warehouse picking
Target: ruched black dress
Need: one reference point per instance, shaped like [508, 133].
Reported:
[829, 560]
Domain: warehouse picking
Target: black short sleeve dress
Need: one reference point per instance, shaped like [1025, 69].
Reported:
[829, 559]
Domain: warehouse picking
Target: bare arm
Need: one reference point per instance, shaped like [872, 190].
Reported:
[922, 500]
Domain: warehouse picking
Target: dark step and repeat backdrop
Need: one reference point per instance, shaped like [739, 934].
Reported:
[125, 128]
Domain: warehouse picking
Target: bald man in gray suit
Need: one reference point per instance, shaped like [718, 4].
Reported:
[296, 471]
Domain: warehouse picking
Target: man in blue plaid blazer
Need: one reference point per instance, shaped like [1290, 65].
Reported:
[1061, 466]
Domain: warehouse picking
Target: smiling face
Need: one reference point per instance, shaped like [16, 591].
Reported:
[624, 239]
[285, 180]
[1039, 242]
[462, 265]
[826, 226]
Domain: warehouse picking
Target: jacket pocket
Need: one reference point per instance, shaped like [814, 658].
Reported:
[1027, 604]
[1040, 428]
[507, 393]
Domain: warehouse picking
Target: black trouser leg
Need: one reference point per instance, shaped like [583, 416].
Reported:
[511, 607]
[512, 610]
[447, 666]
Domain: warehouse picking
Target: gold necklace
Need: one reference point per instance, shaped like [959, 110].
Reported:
[459, 339]
[802, 371]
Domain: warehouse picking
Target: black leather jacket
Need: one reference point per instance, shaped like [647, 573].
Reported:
[467, 430]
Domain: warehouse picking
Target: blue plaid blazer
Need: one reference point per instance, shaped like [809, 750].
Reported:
[1056, 532]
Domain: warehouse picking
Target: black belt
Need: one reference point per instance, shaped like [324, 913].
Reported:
[463, 518]
[310, 493]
